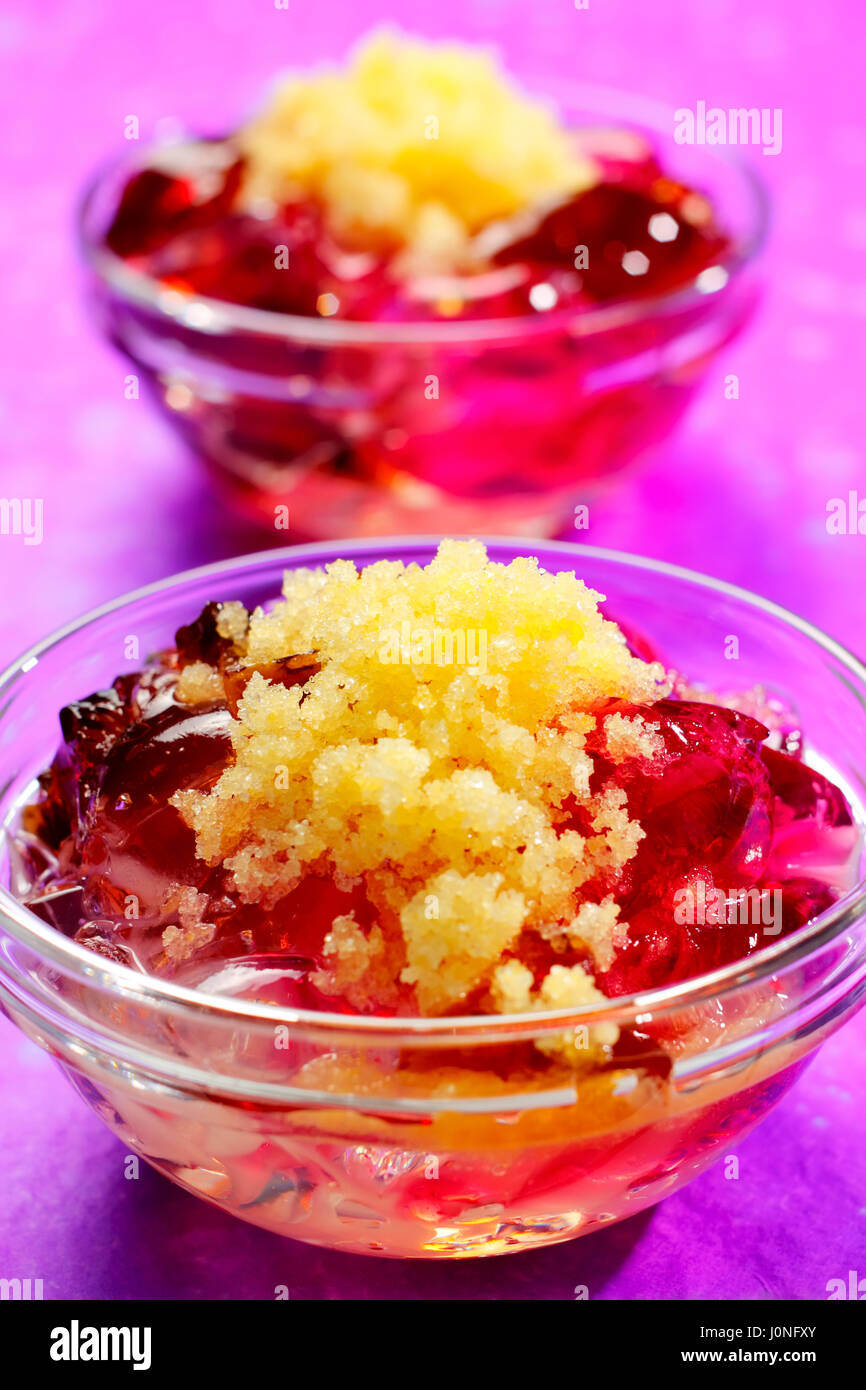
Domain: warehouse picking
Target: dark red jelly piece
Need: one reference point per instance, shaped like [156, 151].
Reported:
[90, 727]
[802, 899]
[804, 793]
[272, 264]
[711, 808]
[706, 801]
[176, 747]
[201, 640]
[705, 805]
[126, 751]
[634, 1048]
[635, 242]
[136, 839]
[181, 222]
[661, 951]
[158, 205]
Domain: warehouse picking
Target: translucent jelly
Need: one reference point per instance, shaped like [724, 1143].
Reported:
[634, 233]
[416, 183]
[588, 833]
[413, 792]
[477, 309]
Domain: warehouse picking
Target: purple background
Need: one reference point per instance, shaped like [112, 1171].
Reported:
[741, 493]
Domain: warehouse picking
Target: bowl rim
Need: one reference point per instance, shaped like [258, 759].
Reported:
[83, 964]
[212, 317]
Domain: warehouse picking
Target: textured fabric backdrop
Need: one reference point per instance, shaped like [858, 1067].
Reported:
[741, 493]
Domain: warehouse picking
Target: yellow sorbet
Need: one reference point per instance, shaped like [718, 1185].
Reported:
[430, 758]
[415, 145]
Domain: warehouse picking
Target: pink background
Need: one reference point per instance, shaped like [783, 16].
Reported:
[740, 493]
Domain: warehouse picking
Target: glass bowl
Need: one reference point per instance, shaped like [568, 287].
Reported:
[401, 1137]
[331, 428]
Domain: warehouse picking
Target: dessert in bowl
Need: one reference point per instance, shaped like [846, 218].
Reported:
[369, 300]
[425, 911]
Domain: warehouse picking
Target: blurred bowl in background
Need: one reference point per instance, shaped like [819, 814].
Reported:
[370, 428]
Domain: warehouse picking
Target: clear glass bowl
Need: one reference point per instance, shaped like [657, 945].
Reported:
[397, 1136]
[376, 428]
